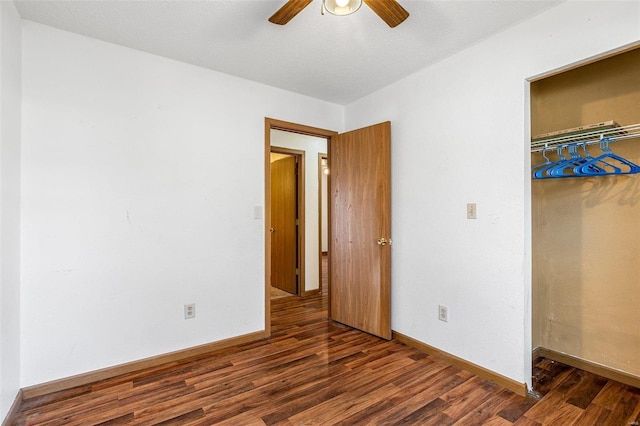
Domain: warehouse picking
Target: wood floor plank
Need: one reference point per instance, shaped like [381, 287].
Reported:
[516, 407]
[432, 413]
[343, 405]
[154, 393]
[586, 390]
[87, 415]
[296, 394]
[364, 416]
[313, 371]
[555, 411]
[594, 415]
[48, 399]
[609, 396]
[56, 407]
[484, 412]
[472, 393]
[190, 401]
[433, 387]
[626, 410]
[525, 421]
[71, 411]
[115, 421]
[407, 389]
[242, 419]
[497, 421]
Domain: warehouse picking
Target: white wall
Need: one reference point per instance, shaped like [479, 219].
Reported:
[140, 177]
[10, 112]
[312, 146]
[459, 135]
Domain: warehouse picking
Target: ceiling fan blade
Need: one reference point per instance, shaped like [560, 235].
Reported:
[389, 10]
[289, 11]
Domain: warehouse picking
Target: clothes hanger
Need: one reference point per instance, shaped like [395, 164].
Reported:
[605, 160]
[571, 168]
[540, 165]
[591, 167]
[542, 172]
[575, 160]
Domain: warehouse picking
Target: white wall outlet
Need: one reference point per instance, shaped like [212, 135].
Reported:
[443, 313]
[471, 211]
[190, 311]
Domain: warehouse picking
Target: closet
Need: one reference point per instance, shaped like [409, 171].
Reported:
[586, 228]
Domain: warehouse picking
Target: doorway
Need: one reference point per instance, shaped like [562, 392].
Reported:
[323, 217]
[286, 138]
[287, 221]
[359, 216]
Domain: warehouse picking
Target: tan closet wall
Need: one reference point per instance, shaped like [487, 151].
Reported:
[586, 231]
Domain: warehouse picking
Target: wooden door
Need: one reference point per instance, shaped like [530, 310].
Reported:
[284, 239]
[360, 224]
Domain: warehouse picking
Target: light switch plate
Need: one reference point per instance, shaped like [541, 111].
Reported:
[471, 211]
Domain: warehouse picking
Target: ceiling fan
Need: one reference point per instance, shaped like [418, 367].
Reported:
[389, 10]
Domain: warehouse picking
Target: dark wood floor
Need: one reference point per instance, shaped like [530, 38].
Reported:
[313, 371]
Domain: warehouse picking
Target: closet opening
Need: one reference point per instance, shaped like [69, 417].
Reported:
[585, 200]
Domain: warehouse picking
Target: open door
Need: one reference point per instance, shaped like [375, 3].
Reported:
[360, 225]
[284, 237]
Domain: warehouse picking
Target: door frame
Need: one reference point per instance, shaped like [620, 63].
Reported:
[300, 205]
[269, 124]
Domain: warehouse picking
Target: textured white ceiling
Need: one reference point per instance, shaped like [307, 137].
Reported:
[338, 59]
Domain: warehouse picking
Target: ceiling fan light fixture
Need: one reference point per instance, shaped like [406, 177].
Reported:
[341, 7]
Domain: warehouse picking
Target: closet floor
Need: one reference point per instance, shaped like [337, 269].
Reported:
[575, 397]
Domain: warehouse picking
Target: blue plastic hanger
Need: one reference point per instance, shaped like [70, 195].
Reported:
[572, 167]
[542, 172]
[591, 166]
[540, 165]
[575, 160]
[603, 162]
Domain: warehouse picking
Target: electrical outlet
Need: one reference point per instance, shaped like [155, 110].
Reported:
[471, 211]
[443, 313]
[190, 311]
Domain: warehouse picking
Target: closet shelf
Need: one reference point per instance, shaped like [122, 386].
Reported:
[588, 137]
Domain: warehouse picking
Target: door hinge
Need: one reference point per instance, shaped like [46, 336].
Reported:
[297, 222]
[297, 271]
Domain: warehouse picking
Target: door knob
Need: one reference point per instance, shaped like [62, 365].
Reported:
[382, 242]
[272, 230]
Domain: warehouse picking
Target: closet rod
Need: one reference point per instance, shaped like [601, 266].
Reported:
[589, 138]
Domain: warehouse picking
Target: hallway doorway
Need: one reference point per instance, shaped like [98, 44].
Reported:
[287, 219]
